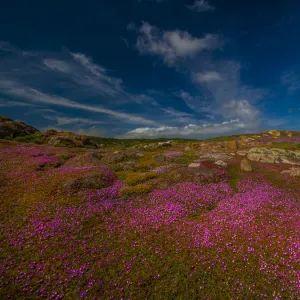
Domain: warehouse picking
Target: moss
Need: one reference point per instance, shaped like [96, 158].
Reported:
[136, 178]
[136, 190]
[233, 177]
[63, 156]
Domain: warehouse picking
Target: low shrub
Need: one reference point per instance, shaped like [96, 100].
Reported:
[136, 190]
[63, 156]
[136, 178]
[29, 138]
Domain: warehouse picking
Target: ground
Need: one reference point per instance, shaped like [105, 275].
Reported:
[134, 221]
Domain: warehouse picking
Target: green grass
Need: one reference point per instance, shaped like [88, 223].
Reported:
[233, 177]
[36, 138]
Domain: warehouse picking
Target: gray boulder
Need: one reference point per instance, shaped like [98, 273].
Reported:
[274, 155]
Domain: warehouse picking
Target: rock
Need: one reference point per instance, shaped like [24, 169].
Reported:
[294, 172]
[246, 166]
[187, 148]
[221, 163]
[242, 152]
[67, 139]
[274, 133]
[125, 166]
[10, 128]
[199, 175]
[194, 165]
[165, 144]
[116, 152]
[232, 154]
[214, 156]
[160, 158]
[139, 155]
[230, 146]
[95, 179]
[274, 155]
[289, 134]
[242, 143]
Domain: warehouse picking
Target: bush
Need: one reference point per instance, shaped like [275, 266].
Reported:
[29, 138]
[136, 190]
[63, 156]
[136, 178]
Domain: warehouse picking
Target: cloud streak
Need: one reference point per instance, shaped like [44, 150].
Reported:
[191, 130]
[201, 6]
[15, 89]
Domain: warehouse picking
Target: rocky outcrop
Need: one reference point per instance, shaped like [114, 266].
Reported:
[275, 133]
[10, 128]
[294, 172]
[274, 155]
[67, 139]
[165, 144]
[95, 179]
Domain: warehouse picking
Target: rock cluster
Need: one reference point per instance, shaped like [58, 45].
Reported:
[10, 128]
[274, 155]
[68, 139]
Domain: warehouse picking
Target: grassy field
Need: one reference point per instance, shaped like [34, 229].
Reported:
[237, 237]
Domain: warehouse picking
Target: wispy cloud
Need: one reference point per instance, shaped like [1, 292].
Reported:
[172, 45]
[85, 72]
[191, 130]
[9, 103]
[18, 90]
[291, 81]
[208, 76]
[201, 6]
[62, 120]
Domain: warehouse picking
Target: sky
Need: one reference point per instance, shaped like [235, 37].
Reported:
[151, 68]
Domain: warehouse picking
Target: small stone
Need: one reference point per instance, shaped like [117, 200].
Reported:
[116, 152]
[194, 165]
[139, 155]
[242, 153]
[246, 166]
[221, 163]
[187, 148]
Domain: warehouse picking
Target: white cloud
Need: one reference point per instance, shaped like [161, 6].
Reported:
[81, 69]
[208, 76]
[9, 103]
[58, 65]
[291, 81]
[201, 6]
[175, 113]
[188, 131]
[172, 45]
[240, 108]
[15, 89]
[62, 120]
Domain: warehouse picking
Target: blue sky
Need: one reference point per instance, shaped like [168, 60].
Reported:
[151, 68]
